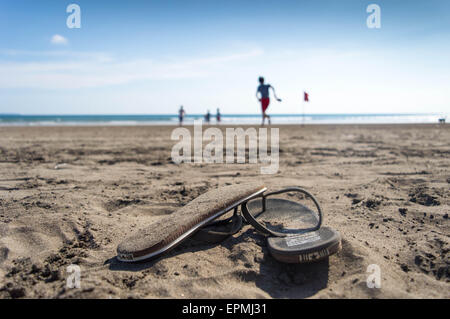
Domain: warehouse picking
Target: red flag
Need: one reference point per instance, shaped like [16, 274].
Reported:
[306, 97]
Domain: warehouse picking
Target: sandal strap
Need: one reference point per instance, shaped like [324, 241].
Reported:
[263, 229]
[210, 235]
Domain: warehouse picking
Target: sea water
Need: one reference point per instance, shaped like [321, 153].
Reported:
[226, 119]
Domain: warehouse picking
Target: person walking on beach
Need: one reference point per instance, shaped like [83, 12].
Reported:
[218, 115]
[208, 117]
[181, 115]
[263, 90]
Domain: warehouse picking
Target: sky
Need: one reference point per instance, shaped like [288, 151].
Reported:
[150, 57]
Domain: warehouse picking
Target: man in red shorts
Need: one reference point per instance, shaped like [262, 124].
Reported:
[263, 90]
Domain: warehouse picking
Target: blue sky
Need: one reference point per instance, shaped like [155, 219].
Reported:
[144, 57]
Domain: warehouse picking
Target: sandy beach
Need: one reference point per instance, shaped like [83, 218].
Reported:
[70, 195]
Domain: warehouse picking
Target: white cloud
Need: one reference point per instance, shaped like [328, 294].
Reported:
[339, 81]
[56, 54]
[59, 40]
[85, 70]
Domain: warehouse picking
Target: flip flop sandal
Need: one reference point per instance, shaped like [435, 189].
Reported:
[219, 230]
[173, 229]
[294, 231]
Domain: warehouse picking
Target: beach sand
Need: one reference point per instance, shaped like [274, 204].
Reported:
[70, 195]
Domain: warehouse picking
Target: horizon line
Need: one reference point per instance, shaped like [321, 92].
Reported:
[203, 114]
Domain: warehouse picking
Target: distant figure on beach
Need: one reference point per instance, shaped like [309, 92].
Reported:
[181, 115]
[208, 117]
[263, 90]
[218, 115]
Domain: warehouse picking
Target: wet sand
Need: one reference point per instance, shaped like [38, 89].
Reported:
[70, 195]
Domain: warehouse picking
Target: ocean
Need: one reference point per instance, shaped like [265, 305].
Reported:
[231, 119]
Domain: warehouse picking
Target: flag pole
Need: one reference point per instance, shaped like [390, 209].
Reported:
[304, 105]
[304, 112]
